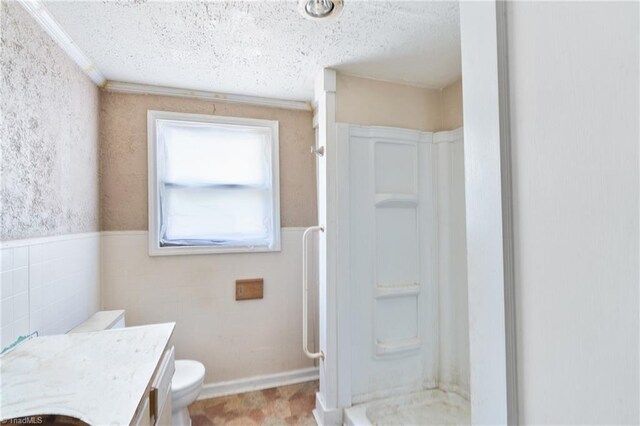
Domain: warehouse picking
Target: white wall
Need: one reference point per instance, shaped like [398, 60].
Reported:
[574, 116]
[453, 315]
[48, 285]
[233, 339]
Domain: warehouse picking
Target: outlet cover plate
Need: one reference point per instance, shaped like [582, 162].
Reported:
[249, 289]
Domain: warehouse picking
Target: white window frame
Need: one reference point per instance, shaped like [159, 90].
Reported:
[154, 200]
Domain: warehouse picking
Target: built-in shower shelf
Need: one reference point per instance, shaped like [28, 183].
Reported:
[385, 291]
[396, 200]
[397, 347]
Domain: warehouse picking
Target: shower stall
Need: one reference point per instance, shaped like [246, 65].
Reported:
[391, 259]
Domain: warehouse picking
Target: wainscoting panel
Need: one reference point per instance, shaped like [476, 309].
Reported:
[48, 285]
[234, 339]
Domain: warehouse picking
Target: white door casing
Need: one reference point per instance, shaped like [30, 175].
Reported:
[488, 201]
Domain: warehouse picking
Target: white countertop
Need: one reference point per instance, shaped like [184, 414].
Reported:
[99, 377]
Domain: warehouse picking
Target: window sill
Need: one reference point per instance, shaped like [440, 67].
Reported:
[154, 250]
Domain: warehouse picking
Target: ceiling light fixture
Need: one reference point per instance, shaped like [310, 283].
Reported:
[316, 10]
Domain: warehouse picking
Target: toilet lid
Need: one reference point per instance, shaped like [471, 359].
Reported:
[188, 373]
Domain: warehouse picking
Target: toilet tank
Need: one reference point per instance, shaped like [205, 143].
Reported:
[103, 320]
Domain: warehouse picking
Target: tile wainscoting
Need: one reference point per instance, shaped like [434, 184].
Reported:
[48, 285]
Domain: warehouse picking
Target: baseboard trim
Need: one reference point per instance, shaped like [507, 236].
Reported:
[213, 390]
[326, 416]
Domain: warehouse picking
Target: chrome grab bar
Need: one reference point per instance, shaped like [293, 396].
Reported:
[305, 293]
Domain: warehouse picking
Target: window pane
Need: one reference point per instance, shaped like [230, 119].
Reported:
[221, 154]
[215, 183]
[205, 216]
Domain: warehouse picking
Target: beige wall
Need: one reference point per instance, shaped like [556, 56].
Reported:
[123, 156]
[379, 103]
[48, 135]
[233, 339]
[451, 106]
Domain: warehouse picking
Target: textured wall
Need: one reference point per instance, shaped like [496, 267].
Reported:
[48, 135]
[123, 156]
[452, 106]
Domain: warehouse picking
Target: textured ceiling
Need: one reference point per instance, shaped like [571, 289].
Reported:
[263, 48]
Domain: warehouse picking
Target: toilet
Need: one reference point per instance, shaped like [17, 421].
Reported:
[185, 387]
[187, 379]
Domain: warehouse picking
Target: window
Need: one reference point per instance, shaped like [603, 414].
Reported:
[213, 184]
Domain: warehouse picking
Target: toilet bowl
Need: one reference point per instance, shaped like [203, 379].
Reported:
[185, 387]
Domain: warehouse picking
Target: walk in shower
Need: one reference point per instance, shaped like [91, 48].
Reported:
[392, 266]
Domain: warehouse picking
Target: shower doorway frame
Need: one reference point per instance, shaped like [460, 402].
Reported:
[488, 199]
[489, 206]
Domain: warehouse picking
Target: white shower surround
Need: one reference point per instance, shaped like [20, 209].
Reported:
[453, 317]
[438, 357]
[337, 335]
[388, 227]
[334, 331]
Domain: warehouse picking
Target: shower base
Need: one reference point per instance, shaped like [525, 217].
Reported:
[429, 407]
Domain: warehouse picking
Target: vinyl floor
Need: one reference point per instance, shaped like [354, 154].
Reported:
[284, 405]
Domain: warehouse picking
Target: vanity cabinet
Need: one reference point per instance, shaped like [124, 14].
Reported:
[111, 377]
[155, 408]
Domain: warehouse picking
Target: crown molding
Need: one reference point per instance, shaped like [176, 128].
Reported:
[43, 17]
[147, 89]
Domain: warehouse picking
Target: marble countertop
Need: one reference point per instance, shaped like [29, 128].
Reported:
[98, 377]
